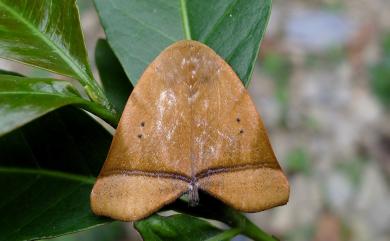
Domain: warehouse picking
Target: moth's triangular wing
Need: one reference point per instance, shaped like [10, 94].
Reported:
[233, 158]
[149, 160]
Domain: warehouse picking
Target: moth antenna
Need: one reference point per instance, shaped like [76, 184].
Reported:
[193, 194]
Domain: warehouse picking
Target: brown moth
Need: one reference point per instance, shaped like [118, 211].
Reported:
[189, 124]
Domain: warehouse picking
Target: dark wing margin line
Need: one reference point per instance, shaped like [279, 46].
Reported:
[177, 176]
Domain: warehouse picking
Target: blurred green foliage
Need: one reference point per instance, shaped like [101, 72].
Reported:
[333, 56]
[279, 68]
[298, 161]
[353, 169]
[334, 5]
[304, 233]
[386, 45]
[380, 74]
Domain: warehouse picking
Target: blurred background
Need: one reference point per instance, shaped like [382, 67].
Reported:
[322, 86]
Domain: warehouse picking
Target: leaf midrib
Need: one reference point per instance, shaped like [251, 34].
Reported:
[184, 16]
[63, 55]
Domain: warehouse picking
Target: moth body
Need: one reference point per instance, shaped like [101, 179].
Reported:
[188, 125]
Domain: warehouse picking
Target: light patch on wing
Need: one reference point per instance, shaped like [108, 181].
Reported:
[192, 98]
[206, 104]
[183, 63]
[226, 137]
[171, 130]
[166, 103]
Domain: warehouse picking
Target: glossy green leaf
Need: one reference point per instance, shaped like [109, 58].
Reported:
[115, 82]
[43, 204]
[67, 140]
[175, 228]
[44, 33]
[47, 34]
[25, 99]
[42, 195]
[138, 30]
[110, 232]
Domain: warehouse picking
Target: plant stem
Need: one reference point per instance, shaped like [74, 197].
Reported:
[212, 208]
[236, 219]
[249, 229]
[227, 235]
[110, 116]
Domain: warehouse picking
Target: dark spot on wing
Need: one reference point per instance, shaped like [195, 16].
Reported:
[140, 136]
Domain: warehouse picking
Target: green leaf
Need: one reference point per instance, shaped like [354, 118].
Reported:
[212, 208]
[47, 34]
[175, 228]
[138, 30]
[114, 231]
[43, 204]
[67, 140]
[25, 99]
[115, 82]
[42, 195]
